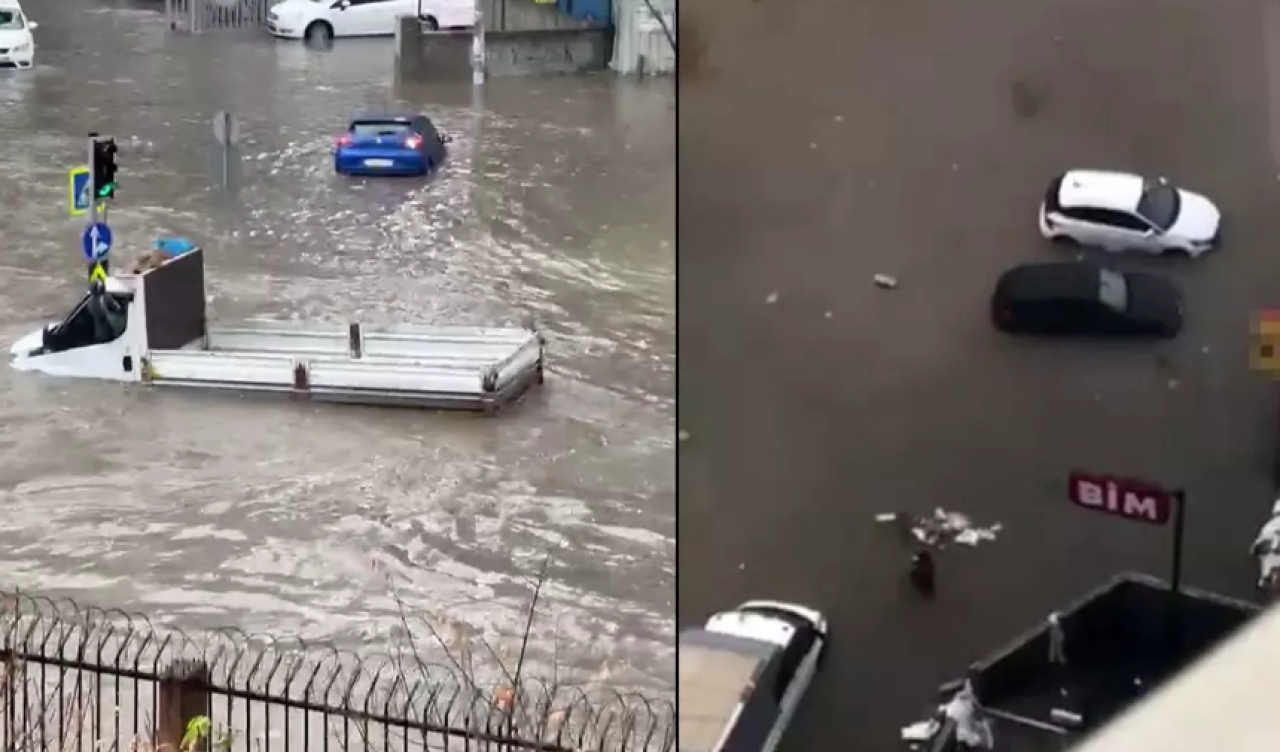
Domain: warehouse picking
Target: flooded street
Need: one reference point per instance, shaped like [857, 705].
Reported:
[557, 206]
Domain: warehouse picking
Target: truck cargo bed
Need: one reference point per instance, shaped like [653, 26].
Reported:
[469, 368]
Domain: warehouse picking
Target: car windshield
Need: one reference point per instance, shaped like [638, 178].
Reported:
[1113, 290]
[712, 683]
[1159, 203]
[11, 20]
[376, 129]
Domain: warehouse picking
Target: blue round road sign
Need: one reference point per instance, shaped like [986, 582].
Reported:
[96, 241]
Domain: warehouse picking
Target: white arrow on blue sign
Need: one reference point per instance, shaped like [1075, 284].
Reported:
[96, 241]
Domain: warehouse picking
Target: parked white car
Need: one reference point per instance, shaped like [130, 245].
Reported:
[447, 14]
[17, 45]
[742, 675]
[1119, 211]
[323, 20]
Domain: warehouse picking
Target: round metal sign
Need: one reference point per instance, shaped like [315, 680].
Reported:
[226, 128]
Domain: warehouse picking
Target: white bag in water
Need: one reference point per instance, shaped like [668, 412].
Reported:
[972, 728]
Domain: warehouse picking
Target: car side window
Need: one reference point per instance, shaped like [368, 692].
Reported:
[1075, 212]
[1126, 221]
[1093, 216]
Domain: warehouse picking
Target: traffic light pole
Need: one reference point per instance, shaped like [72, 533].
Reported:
[93, 180]
[93, 201]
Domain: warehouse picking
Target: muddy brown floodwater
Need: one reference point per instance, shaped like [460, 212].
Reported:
[557, 205]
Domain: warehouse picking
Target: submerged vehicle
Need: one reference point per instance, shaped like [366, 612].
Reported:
[151, 328]
[402, 145]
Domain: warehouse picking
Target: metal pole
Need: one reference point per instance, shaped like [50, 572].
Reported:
[1179, 523]
[226, 150]
[93, 185]
[478, 47]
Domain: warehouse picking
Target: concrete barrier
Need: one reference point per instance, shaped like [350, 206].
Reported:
[444, 56]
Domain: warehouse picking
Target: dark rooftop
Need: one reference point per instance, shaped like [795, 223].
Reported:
[1120, 642]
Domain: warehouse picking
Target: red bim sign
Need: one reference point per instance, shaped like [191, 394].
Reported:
[1121, 497]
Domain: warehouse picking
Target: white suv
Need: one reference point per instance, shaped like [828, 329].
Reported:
[17, 45]
[1122, 212]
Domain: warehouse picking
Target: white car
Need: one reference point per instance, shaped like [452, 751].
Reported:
[17, 45]
[743, 674]
[323, 20]
[1118, 211]
[448, 14]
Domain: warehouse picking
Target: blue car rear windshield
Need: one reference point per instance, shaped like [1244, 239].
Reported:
[370, 129]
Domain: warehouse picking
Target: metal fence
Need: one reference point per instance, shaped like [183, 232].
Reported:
[82, 678]
[195, 16]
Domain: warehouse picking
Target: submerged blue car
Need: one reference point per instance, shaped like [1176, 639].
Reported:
[389, 145]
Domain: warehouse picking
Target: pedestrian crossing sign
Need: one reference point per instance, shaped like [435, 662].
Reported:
[78, 185]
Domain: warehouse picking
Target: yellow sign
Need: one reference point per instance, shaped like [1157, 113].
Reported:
[1266, 331]
[78, 185]
[97, 273]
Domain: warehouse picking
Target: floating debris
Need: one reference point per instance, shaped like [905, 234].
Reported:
[885, 282]
[941, 528]
[771, 298]
[921, 731]
[683, 435]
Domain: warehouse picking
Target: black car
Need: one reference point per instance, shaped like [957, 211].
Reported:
[1078, 298]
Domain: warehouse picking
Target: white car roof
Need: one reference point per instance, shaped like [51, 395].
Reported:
[1100, 189]
[752, 626]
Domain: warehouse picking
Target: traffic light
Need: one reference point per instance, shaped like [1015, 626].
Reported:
[104, 166]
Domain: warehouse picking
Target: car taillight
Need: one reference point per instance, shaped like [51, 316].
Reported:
[343, 140]
[413, 142]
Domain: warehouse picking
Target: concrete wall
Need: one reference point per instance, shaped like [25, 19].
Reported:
[446, 56]
[526, 15]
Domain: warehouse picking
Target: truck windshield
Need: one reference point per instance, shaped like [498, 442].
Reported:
[1159, 203]
[713, 683]
[1113, 290]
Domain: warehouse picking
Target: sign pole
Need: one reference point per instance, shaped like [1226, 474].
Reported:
[1175, 627]
[93, 202]
[1179, 523]
[93, 187]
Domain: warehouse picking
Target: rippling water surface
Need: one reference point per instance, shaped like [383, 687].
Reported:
[556, 206]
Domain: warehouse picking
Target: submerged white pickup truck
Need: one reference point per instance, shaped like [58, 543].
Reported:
[151, 328]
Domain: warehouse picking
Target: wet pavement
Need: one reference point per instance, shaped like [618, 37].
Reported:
[825, 143]
[556, 206]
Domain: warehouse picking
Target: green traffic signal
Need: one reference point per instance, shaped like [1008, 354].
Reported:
[106, 190]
